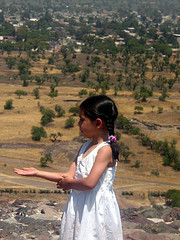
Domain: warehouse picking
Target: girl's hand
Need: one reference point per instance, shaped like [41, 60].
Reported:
[26, 171]
[65, 182]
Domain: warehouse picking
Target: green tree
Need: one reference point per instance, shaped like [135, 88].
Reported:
[36, 93]
[126, 154]
[10, 61]
[55, 136]
[123, 123]
[48, 116]
[50, 60]
[38, 133]
[9, 104]
[45, 159]
[69, 122]
[74, 110]
[20, 93]
[21, 34]
[39, 80]
[53, 92]
[83, 92]
[173, 197]
[60, 111]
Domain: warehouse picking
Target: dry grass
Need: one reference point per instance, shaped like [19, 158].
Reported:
[16, 127]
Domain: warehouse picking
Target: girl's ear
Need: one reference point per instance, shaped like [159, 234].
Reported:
[99, 123]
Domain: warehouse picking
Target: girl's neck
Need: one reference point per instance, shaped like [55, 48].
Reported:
[99, 139]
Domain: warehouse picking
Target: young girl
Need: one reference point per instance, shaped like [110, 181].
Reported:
[92, 212]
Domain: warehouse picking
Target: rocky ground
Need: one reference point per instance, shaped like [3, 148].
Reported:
[27, 219]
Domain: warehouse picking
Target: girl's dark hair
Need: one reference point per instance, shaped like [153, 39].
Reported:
[104, 108]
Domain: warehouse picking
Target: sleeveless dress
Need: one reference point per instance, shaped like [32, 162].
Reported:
[92, 214]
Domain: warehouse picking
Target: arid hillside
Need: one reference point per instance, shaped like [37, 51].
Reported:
[159, 120]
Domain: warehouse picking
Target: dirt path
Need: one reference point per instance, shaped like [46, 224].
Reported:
[41, 183]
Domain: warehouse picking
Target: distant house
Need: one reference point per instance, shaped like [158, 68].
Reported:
[119, 41]
[33, 19]
[7, 38]
[55, 47]
[178, 37]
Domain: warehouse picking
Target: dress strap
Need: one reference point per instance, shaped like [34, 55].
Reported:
[83, 147]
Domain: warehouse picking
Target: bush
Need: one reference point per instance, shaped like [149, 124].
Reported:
[173, 197]
[83, 92]
[123, 123]
[59, 110]
[118, 135]
[155, 172]
[37, 133]
[53, 93]
[127, 193]
[160, 110]
[54, 136]
[48, 116]
[139, 110]
[20, 93]
[69, 122]
[45, 159]
[74, 110]
[137, 164]
[135, 131]
[36, 93]
[9, 104]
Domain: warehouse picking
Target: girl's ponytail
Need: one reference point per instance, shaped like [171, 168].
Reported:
[112, 138]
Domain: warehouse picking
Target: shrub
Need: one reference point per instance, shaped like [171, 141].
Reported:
[160, 110]
[48, 116]
[135, 131]
[137, 164]
[74, 110]
[53, 93]
[69, 122]
[20, 93]
[9, 104]
[139, 110]
[83, 92]
[146, 141]
[118, 135]
[36, 93]
[37, 133]
[59, 110]
[126, 154]
[173, 197]
[45, 159]
[55, 136]
[127, 193]
[155, 172]
[123, 123]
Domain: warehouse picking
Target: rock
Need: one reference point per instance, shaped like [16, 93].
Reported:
[172, 215]
[156, 228]
[27, 220]
[150, 213]
[133, 217]
[142, 235]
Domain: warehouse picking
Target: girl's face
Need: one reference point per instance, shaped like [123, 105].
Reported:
[87, 126]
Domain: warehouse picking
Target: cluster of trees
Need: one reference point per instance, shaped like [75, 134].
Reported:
[168, 151]
[173, 198]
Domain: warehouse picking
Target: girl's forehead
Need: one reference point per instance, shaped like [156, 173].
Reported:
[81, 112]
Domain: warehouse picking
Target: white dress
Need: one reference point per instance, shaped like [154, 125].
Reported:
[92, 214]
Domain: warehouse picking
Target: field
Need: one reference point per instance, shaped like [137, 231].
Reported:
[19, 150]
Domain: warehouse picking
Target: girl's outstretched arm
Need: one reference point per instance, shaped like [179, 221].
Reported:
[51, 176]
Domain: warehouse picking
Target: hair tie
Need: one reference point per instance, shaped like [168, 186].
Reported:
[112, 138]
